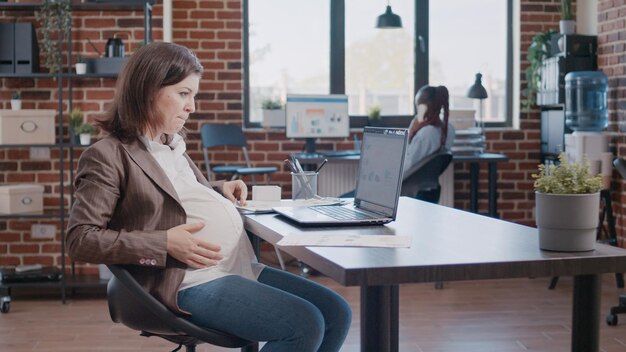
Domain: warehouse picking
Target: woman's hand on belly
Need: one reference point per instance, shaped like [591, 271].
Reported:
[184, 246]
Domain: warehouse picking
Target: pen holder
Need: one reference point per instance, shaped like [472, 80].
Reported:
[304, 185]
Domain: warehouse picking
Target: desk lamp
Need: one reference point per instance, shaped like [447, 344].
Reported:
[388, 19]
[477, 91]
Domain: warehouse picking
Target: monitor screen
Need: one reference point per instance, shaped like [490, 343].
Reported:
[313, 116]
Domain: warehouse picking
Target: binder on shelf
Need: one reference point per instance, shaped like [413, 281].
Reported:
[7, 45]
[26, 49]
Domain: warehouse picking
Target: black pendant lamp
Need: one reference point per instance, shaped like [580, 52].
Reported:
[477, 91]
[388, 19]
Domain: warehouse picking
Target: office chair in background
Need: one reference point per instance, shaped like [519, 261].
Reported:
[132, 306]
[422, 180]
[218, 135]
[611, 318]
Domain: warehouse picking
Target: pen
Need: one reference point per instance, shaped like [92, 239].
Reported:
[321, 165]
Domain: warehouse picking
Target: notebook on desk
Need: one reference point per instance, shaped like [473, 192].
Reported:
[377, 189]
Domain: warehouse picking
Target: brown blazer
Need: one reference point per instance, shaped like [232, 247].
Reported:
[123, 206]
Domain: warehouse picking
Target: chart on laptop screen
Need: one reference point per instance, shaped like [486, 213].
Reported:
[381, 163]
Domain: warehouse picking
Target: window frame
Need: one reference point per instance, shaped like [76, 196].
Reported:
[421, 57]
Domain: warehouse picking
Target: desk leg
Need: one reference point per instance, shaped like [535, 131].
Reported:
[493, 190]
[379, 318]
[474, 169]
[586, 313]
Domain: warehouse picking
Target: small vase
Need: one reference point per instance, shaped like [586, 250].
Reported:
[16, 104]
[567, 27]
[85, 139]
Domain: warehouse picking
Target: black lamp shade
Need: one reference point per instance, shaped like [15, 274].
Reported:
[388, 20]
[477, 91]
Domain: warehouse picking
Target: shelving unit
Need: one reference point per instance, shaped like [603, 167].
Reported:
[67, 281]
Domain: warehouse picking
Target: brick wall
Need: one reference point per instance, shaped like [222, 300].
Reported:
[213, 29]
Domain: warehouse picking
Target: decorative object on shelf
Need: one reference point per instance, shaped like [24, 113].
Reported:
[55, 17]
[27, 126]
[373, 116]
[75, 120]
[567, 25]
[16, 101]
[85, 130]
[388, 19]
[538, 51]
[567, 199]
[21, 198]
[81, 66]
[272, 113]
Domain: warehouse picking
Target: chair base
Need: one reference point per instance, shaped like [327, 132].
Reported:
[190, 342]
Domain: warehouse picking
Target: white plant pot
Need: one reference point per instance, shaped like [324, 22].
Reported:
[16, 104]
[567, 222]
[81, 68]
[567, 26]
[85, 139]
[273, 118]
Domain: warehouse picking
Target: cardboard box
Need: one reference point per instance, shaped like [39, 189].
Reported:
[21, 198]
[27, 127]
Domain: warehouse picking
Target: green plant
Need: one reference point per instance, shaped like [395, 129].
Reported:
[271, 104]
[373, 113]
[55, 17]
[538, 51]
[85, 128]
[16, 95]
[566, 10]
[566, 178]
[75, 119]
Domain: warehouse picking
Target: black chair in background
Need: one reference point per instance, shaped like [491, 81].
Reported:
[132, 306]
[611, 319]
[422, 180]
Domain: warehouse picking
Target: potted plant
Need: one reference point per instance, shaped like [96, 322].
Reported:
[538, 51]
[567, 199]
[81, 66]
[567, 24]
[85, 130]
[272, 113]
[373, 116]
[55, 18]
[75, 120]
[16, 101]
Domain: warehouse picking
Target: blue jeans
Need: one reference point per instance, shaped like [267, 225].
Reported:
[291, 313]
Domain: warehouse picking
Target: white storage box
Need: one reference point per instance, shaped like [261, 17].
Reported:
[27, 126]
[21, 198]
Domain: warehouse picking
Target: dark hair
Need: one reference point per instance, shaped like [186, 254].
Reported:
[437, 99]
[151, 68]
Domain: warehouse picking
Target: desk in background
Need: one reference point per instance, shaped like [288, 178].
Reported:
[340, 173]
[471, 247]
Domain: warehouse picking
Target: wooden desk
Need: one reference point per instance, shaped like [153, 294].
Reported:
[474, 160]
[448, 245]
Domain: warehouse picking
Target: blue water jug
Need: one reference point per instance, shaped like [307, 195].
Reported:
[586, 101]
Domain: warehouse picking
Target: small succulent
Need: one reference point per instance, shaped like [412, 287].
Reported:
[85, 128]
[373, 113]
[271, 104]
[16, 95]
[566, 178]
[75, 119]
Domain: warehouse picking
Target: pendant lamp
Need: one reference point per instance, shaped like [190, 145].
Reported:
[388, 19]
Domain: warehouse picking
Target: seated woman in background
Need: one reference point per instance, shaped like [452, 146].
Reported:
[428, 133]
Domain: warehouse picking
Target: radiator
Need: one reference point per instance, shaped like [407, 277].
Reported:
[339, 177]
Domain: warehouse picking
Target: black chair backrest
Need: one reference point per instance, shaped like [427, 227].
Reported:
[425, 175]
[132, 306]
[215, 135]
[620, 166]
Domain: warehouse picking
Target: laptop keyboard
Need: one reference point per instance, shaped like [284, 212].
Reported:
[340, 213]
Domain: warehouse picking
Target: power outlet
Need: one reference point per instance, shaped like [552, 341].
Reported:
[40, 153]
[43, 231]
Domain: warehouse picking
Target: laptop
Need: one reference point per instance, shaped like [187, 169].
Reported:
[377, 189]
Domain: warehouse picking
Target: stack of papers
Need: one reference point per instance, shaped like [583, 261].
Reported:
[265, 206]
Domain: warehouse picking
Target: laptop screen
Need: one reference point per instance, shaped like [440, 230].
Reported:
[380, 169]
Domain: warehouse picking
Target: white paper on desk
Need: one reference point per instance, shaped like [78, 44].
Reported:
[265, 206]
[321, 240]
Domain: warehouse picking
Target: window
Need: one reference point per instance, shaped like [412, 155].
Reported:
[332, 46]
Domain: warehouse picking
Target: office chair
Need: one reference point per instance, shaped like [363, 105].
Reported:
[132, 306]
[611, 318]
[422, 180]
[218, 135]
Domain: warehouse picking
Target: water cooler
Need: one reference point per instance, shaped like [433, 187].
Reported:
[586, 114]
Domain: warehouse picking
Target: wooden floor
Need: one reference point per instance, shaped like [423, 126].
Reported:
[503, 315]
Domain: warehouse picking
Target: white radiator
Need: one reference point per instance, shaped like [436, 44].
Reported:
[339, 177]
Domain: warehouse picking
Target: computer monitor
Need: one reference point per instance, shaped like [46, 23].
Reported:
[317, 116]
